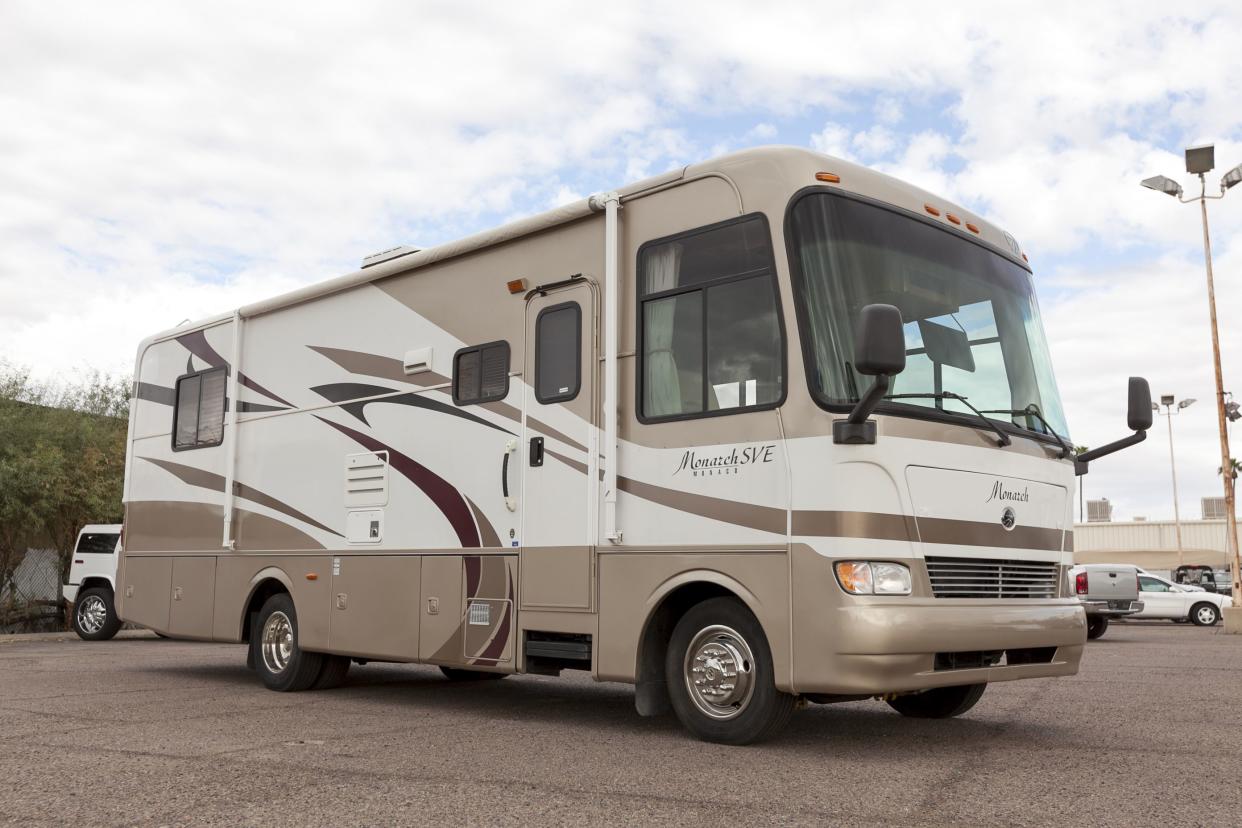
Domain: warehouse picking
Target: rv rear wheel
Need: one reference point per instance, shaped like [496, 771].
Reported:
[94, 615]
[1204, 615]
[938, 703]
[279, 661]
[458, 674]
[1096, 626]
[720, 677]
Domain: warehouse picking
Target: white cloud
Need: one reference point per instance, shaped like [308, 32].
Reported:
[165, 161]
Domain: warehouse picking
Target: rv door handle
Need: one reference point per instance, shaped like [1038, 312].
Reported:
[510, 502]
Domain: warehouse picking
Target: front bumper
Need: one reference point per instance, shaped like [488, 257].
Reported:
[892, 645]
[70, 591]
[1109, 609]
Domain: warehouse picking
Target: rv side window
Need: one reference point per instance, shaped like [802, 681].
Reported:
[481, 373]
[710, 334]
[198, 420]
[558, 353]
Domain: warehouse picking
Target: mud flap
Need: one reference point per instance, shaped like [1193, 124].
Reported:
[651, 698]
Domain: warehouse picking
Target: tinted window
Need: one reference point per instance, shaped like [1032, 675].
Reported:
[96, 544]
[558, 353]
[711, 336]
[1152, 585]
[481, 373]
[198, 420]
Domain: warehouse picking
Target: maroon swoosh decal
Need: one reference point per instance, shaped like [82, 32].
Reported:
[447, 499]
[197, 344]
[474, 573]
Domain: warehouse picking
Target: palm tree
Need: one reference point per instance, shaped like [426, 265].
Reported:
[1234, 467]
[1080, 450]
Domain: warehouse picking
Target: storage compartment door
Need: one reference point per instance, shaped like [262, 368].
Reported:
[145, 589]
[193, 597]
[375, 600]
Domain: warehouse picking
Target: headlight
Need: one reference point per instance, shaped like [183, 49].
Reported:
[873, 578]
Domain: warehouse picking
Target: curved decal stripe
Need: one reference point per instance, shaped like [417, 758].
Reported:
[762, 518]
[344, 392]
[474, 574]
[451, 503]
[487, 532]
[155, 393]
[373, 365]
[196, 343]
[203, 479]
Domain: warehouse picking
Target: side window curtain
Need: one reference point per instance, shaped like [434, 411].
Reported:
[198, 420]
[558, 353]
[481, 373]
[711, 339]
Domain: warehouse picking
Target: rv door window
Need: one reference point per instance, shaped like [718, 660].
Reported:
[558, 353]
[198, 420]
[481, 373]
[710, 332]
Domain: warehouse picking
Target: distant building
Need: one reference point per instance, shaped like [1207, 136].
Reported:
[1213, 508]
[1099, 511]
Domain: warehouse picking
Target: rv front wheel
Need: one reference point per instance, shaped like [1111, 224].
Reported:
[939, 703]
[279, 661]
[720, 677]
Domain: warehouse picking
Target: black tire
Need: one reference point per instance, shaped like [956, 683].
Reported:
[939, 703]
[333, 672]
[1204, 614]
[459, 674]
[1097, 625]
[714, 629]
[284, 666]
[94, 615]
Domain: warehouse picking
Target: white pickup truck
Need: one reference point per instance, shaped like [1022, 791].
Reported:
[92, 582]
[1106, 591]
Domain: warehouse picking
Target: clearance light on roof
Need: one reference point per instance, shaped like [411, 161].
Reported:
[952, 218]
[972, 228]
[517, 285]
[831, 178]
[932, 210]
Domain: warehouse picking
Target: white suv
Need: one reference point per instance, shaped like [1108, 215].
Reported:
[92, 582]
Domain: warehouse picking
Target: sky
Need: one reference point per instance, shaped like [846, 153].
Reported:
[162, 162]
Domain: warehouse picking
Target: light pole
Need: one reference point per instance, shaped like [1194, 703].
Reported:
[1169, 410]
[1200, 161]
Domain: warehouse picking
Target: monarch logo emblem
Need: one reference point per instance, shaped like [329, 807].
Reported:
[1008, 518]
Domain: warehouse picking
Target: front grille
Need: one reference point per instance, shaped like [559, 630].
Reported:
[991, 578]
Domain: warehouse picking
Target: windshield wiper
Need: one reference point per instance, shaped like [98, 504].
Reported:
[1032, 410]
[1002, 439]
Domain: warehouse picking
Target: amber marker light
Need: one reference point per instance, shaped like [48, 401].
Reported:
[971, 227]
[517, 285]
[952, 218]
[311, 576]
[855, 577]
[831, 178]
[932, 210]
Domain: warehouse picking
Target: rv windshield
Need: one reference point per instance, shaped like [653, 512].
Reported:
[971, 322]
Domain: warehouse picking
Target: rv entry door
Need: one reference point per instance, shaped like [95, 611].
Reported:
[560, 480]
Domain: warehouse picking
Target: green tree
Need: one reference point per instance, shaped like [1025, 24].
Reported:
[62, 461]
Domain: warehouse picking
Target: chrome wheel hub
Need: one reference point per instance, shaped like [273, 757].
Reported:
[719, 672]
[92, 614]
[277, 642]
[1206, 615]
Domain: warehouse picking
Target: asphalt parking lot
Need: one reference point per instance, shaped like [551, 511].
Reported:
[153, 732]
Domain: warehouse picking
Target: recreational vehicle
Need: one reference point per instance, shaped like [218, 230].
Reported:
[766, 429]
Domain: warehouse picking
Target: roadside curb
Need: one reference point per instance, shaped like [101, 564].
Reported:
[67, 635]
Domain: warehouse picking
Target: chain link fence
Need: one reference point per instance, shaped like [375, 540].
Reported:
[30, 600]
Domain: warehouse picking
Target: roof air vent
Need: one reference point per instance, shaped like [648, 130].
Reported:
[387, 255]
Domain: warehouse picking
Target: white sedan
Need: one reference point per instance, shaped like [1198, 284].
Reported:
[1165, 599]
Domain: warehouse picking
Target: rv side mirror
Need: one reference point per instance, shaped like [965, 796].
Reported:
[880, 352]
[1139, 416]
[879, 342]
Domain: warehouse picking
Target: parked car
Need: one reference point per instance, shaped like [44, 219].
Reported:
[92, 582]
[1204, 577]
[1164, 599]
[1106, 591]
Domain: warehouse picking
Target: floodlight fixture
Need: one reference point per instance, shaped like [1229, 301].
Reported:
[1230, 178]
[1186, 402]
[1166, 399]
[1163, 184]
[1200, 159]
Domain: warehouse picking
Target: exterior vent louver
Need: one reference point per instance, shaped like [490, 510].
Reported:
[991, 578]
[366, 479]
